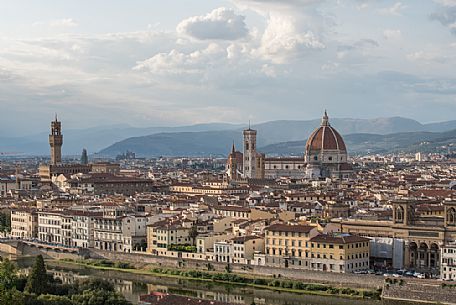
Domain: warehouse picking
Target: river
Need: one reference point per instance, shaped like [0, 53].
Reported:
[132, 286]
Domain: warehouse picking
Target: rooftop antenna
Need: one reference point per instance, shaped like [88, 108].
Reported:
[249, 124]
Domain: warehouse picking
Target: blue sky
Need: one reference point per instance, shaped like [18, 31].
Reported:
[175, 62]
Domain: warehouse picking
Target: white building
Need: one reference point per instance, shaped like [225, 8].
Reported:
[115, 232]
[50, 226]
[448, 262]
[134, 231]
[82, 227]
[223, 252]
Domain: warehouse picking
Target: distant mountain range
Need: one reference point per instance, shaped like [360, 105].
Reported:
[94, 139]
[288, 138]
[276, 137]
[374, 143]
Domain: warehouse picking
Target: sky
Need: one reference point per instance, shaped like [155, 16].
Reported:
[178, 62]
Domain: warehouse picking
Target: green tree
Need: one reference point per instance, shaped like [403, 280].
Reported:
[11, 296]
[193, 233]
[47, 299]
[5, 222]
[96, 284]
[8, 274]
[99, 297]
[38, 280]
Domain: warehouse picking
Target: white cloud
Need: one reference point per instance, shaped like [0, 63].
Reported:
[427, 57]
[66, 22]
[176, 62]
[446, 16]
[394, 10]
[221, 23]
[281, 40]
[446, 2]
[269, 70]
[391, 34]
[265, 6]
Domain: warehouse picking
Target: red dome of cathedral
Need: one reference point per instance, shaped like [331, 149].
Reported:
[324, 138]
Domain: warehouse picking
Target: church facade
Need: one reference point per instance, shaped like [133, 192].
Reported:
[325, 156]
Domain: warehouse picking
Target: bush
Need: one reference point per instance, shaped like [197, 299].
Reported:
[122, 265]
[260, 282]
[54, 300]
[286, 284]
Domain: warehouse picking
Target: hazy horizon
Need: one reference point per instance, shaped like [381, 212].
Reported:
[235, 124]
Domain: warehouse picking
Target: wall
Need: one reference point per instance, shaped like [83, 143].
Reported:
[352, 280]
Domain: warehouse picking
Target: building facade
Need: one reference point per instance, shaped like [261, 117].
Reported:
[24, 224]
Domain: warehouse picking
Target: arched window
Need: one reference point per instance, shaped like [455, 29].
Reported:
[399, 214]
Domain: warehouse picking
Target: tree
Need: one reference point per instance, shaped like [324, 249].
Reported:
[96, 284]
[47, 299]
[11, 296]
[5, 222]
[38, 280]
[8, 274]
[193, 233]
[99, 297]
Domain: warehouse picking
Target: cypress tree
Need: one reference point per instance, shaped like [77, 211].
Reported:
[37, 282]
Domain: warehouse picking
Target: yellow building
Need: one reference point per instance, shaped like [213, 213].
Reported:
[341, 253]
[244, 248]
[161, 235]
[303, 247]
[287, 245]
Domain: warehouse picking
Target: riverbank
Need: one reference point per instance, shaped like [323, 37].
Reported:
[420, 292]
[274, 284]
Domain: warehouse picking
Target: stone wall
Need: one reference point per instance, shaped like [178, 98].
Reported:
[420, 291]
[9, 248]
[344, 280]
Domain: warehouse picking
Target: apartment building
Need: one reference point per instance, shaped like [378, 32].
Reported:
[448, 262]
[24, 223]
[50, 226]
[164, 234]
[82, 227]
[107, 233]
[287, 245]
[223, 252]
[340, 253]
[134, 231]
[245, 247]
[205, 242]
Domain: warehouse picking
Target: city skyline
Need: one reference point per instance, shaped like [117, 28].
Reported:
[181, 63]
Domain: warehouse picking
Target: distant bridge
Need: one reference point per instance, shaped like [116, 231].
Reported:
[18, 246]
[10, 153]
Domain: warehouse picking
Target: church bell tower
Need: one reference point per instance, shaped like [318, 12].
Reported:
[56, 141]
[250, 154]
